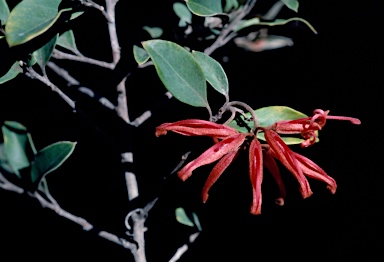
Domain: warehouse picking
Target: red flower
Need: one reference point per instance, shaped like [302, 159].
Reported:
[256, 174]
[228, 142]
[308, 126]
[217, 151]
[226, 150]
[197, 127]
[297, 164]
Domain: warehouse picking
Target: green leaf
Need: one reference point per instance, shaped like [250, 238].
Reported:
[31, 18]
[31, 59]
[183, 13]
[67, 40]
[283, 22]
[268, 116]
[141, 56]
[154, 32]
[4, 12]
[4, 161]
[230, 4]
[50, 158]
[179, 72]
[76, 15]
[271, 114]
[213, 71]
[196, 221]
[291, 4]
[12, 73]
[18, 146]
[182, 217]
[205, 7]
[246, 23]
[43, 54]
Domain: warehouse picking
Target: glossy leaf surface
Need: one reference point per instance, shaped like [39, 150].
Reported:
[141, 56]
[291, 4]
[12, 73]
[18, 146]
[179, 72]
[50, 158]
[154, 32]
[213, 71]
[31, 18]
[183, 13]
[43, 54]
[4, 12]
[204, 7]
[67, 40]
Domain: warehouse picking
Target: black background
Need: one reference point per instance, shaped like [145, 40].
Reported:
[339, 69]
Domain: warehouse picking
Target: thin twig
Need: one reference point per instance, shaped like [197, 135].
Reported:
[85, 90]
[61, 212]
[6, 185]
[34, 75]
[147, 114]
[122, 108]
[90, 3]
[227, 33]
[61, 55]
[181, 250]
[53, 205]
[63, 73]
[110, 6]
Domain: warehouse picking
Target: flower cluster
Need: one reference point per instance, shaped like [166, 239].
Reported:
[228, 142]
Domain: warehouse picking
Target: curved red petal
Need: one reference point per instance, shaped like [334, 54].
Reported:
[271, 165]
[212, 154]
[353, 120]
[256, 175]
[282, 152]
[196, 127]
[216, 172]
[312, 170]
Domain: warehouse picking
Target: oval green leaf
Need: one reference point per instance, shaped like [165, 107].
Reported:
[67, 40]
[12, 73]
[18, 146]
[4, 163]
[141, 56]
[43, 54]
[4, 12]
[268, 116]
[154, 32]
[204, 7]
[179, 72]
[291, 4]
[183, 13]
[31, 18]
[182, 217]
[76, 15]
[196, 221]
[49, 159]
[213, 71]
